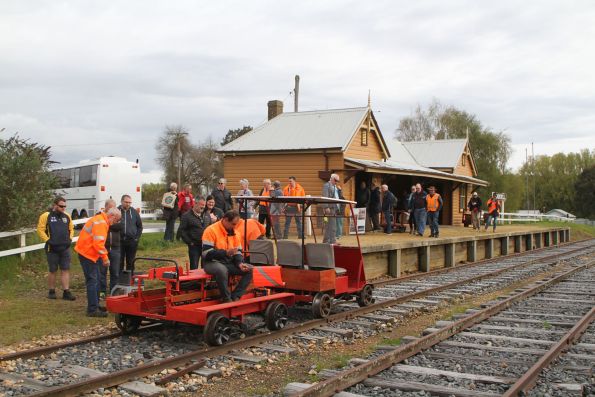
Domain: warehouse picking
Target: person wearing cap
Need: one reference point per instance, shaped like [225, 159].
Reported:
[493, 211]
[474, 205]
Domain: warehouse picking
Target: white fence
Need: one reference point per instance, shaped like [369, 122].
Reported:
[24, 248]
[510, 217]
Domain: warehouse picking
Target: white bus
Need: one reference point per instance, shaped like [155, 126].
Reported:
[86, 186]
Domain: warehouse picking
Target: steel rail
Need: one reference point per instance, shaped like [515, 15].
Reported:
[529, 378]
[119, 377]
[38, 351]
[357, 374]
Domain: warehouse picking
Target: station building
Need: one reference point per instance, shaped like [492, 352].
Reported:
[311, 145]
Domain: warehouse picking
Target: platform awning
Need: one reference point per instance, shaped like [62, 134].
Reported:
[397, 168]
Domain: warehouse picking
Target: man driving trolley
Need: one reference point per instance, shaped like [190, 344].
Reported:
[222, 256]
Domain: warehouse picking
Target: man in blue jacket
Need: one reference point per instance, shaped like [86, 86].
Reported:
[132, 229]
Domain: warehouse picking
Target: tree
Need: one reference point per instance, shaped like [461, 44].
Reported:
[584, 199]
[490, 150]
[26, 182]
[152, 193]
[198, 164]
[235, 134]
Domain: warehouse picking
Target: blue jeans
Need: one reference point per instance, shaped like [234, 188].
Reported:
[490, 218]
[114, 271]
[292, 212]
[91, 271]
[339, 219]
[194, 253]
[433, 221]
[420, 219]
[388, 217]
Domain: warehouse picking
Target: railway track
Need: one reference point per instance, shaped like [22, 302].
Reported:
[396, 300]
[503, 349]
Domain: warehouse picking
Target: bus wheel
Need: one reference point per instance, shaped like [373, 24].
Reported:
[84, 214]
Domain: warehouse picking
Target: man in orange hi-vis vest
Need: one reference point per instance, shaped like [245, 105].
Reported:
[433, 206]
[222, 256]
[493, 211]
[92, 254]
[293, 210]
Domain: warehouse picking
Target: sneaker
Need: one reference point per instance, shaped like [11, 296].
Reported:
[97, 314]
[67, 295]
[52, 294]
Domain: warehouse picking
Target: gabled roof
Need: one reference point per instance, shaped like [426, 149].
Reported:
[407, 168]
[399, 153]
[320, 129]
[439, 153]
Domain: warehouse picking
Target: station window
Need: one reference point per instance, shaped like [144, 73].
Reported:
[364, 137]
[462, 197]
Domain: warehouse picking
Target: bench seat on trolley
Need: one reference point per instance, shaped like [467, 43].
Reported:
[321, 256]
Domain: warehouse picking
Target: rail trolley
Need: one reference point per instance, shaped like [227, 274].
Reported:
[317, 273]
[192, 297]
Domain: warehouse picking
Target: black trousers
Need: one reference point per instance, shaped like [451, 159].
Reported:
[128, 253]
[265, 220]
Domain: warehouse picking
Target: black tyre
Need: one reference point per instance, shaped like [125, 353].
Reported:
[128, 324]
[217, 330]
[275, 316]
[364, 297]
[322, 304]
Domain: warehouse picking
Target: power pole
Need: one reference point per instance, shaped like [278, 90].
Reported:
[179, 163]
[527, 177]
[533, 174]
[296, 93]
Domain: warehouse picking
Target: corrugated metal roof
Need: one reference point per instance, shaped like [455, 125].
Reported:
[400, 167]
[399, 153]
[321, 129]
[439, 153]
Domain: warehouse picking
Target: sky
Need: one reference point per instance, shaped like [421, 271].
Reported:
[95, 78]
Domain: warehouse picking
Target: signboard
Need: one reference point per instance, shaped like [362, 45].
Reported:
[360, 217]
[500, 196]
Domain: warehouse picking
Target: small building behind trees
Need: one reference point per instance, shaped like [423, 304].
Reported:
[313, 144]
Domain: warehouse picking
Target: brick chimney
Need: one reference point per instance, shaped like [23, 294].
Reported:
[275, 108]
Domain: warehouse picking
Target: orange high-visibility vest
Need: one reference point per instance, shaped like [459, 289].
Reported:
[216, 236]
[492, 205]
[298, 190]
[432, 202]
[91, 242]
[254, 230]
[266, 193]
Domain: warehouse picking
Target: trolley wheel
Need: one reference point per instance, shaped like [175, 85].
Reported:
[275, 316]
[322, 305]
[217, 330]
[128, 324]
[364, 297]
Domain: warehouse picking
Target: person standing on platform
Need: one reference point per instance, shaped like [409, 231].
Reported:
[56, 230]
[222, 196]
[132, 229]
[493, 211]
[263, 207]
[169, 202]
[245, 207]
[293, 210]
[92, 254]
[419, 209]
[185, 204]
[375, 207]
[362, 196]
[412, 226]
[193, 225]
[389, 202]
[112, 244]
[330, 190]
[434, 205]
[340, 213]
[474, 206]
[276, 209]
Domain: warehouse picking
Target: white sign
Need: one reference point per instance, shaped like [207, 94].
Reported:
[500, 196]
[360, 217]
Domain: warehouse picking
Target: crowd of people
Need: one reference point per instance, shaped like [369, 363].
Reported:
[212, 227]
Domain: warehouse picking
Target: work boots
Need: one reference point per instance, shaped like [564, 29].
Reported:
[52, 294]
[67, 295]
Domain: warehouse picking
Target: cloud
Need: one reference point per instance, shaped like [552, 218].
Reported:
[95, 78]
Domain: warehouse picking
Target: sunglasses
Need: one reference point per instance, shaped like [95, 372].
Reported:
[62, 206]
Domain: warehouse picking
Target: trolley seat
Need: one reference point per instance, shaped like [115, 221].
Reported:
[262, 252]
[289, 254]
[321, 256]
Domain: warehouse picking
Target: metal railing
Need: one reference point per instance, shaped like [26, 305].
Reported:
[510, 217]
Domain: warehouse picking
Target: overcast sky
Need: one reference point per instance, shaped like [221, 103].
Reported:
[96, 78]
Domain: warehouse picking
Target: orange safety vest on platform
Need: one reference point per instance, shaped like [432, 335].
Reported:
[433, 203]
[492, 205]
[91, 242]
[266, 193]
[298, 191]
[254, 230]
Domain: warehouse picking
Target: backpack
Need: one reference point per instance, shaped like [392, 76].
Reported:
[169, 200]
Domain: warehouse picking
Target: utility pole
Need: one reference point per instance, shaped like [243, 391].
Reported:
[296, 93]
[527, 177]
[533, 174]
[179, 163]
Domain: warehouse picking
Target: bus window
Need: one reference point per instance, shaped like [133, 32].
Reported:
[75, 177]
[63, 177]
[88, 175]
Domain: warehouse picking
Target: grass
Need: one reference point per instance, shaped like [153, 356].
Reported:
[26, 313]
[392, 341]
[577, 231]
[547, 325]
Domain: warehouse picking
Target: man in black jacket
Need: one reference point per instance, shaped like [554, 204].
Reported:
[374, 210]
[222, 196]
[389, 201]
[112, 244]
[362, 196]
[132, 229]
[474, 206]
[192, 226]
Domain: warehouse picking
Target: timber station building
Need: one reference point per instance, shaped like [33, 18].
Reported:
[311, 145]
